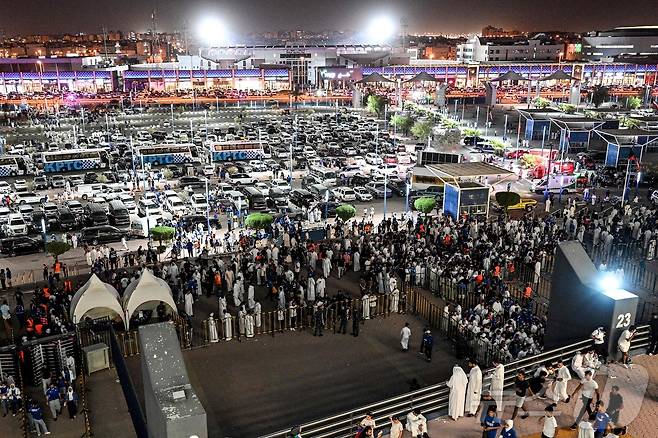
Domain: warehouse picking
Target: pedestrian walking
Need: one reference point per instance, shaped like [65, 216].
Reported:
[405, 335]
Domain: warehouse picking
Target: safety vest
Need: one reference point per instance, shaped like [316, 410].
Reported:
[527, 292]
[218, 279]
[57, 267]
[30, 325]
[68, 286]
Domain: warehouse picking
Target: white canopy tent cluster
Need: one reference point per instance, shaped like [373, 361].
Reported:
[96, 299]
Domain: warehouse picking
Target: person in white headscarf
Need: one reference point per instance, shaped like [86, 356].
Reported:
[212, 329]
[189, 301]
[249, 325]
[457, 397]
[497, 384]
[585, 429]
[474, 389]
[227, 321]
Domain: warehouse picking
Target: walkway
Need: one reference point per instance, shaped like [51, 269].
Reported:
[638, 386]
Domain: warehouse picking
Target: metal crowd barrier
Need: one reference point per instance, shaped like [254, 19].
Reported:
[432, 399]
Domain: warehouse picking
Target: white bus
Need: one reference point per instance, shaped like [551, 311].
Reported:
[14, 165]
[166, 154]
[75, 159]
[238, 151]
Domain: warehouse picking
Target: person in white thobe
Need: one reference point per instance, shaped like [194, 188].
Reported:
[365, 304]
[310, 289]
[416, 423]
[241, 314]
[222, 306]
[395, 301]
[497, 384]
[457, 384]
[405, 335]
[257, 314]
[326, 267]
[212, 329]
[189, 301]
[249, 325]
[319, 287]
[227, 321]
[562, 377]
[474, 388]
[357, 261]
[250, 296]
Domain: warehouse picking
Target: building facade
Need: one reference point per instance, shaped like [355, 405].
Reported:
[481, 49]
[621, 42]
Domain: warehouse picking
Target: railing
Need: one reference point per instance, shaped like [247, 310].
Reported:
[430, 400]
[84, 406]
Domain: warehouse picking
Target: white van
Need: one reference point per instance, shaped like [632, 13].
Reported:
[326, 175]
[555, 184]
[139, 226]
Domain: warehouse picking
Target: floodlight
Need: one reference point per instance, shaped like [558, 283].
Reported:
[212, 31]
[380, 29]
[610, 281]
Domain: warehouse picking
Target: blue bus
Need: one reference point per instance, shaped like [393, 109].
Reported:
[238, 151]
[72, 160]
[158, 155]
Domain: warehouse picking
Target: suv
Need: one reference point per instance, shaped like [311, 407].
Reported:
[95, 214]
[101, 234]
[13, 246]
[40, 183]
[16, 225]
[301, 197]
[66, 220]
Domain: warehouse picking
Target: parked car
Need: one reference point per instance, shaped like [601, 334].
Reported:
[362, 194]
[13, 246]
[345, 194]
[377, 190]
[101, 234]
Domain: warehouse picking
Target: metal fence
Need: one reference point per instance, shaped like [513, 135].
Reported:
[432, 399]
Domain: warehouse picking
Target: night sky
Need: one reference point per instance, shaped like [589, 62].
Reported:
[241, 16]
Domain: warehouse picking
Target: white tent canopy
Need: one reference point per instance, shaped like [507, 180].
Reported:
[96, 300]
[146, 289]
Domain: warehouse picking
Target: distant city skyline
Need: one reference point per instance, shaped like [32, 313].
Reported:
[246, 16]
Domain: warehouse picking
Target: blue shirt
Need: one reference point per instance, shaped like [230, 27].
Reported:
[52, 394]
[601, 423]
[511, 433]
[36, 412]
[491, 422]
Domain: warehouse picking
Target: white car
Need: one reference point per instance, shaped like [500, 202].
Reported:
[349, 171]
[388, 169]
[20, 185]
[5, 187]
[281, 184]
[263, 188]
[344, 194]
[242, 179]
[4, 215]
[362, 194]
[26, 210]
[176, 205]
[199, 203]
[374, 159]
[146, 206]
[16, 225]
[28, 198]
[208, 170]
[128, 201]
[404, 158]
